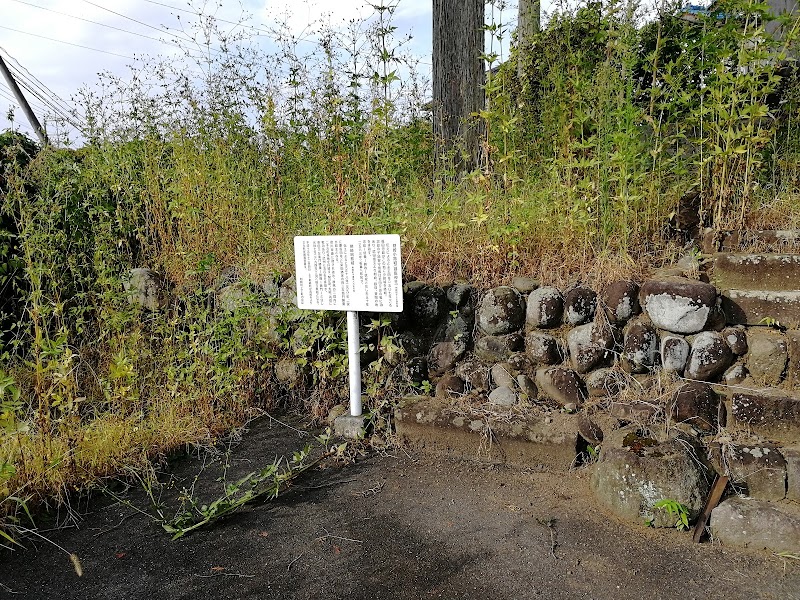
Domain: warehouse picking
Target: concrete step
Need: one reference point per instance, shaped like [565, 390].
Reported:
[778, 272]
[775, 240]
[551, 441]
[762, 307]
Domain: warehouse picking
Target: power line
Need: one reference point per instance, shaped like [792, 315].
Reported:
[262, 31]
[44, 37]
[8, 96]
[48, 96]
[159, 29]
[40, 90]
[99, 24]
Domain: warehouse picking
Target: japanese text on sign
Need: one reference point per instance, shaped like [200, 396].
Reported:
[349, 272]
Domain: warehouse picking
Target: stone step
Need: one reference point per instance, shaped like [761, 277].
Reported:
[761, 307]
[775, 240]
[778, 272]
[551, 441]
[772, 415]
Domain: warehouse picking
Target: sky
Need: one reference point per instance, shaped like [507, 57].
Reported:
[87, 37]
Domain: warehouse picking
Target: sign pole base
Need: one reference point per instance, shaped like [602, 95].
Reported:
[352, 426]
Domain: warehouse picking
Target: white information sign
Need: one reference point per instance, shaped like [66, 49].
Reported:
[349, 272]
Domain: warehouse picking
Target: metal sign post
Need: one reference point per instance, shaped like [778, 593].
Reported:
[353, 273]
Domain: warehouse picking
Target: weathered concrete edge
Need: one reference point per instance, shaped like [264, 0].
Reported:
[430, 425]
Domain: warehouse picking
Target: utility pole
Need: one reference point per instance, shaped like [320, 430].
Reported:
[26, 108]
[528, 24]
[458, 74]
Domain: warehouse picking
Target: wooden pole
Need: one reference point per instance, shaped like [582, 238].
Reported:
[458, 75]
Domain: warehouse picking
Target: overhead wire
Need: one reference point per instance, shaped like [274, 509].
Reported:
[63, 14]
[44, 37]
[39, 90]
[6, 92]
[162, 29]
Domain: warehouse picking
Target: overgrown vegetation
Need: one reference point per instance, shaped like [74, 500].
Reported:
[192, 170]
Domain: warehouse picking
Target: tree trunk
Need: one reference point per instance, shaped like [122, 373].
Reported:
[458, 72]
[528, 24]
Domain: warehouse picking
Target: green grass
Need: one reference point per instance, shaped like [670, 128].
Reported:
[585, 159]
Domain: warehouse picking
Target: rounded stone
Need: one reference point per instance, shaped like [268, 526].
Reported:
[145, 289]
[580, 304]
[524, 285]
[503, 375]
[621, 300]
[674, 353]
[500, 311]
[709, 358]
[427, 306]
[543, 349]
[736, 338]
[696, 403]
[474, 373]
[443, 357]
[449, 386]
[640, 347]
[545, 308]
[605, 383]
[503, 396]
[583, 353]
[498, 348]
[677, 304]
[564, 386]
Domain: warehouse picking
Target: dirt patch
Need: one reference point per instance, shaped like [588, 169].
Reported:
[390, 526]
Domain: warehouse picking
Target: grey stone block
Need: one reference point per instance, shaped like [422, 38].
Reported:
[757, 524]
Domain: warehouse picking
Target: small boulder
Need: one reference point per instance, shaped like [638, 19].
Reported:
[709, 358]
[524, 285]
[443, 357]
[503, 396]
[580, 304]
[543, 349]
[674, 353]
[735, 375]
[696, 403]
[145, 288]
[426, 306]
[757, 524]
[604, 383]
[630, 479]
[475, 375]
[583, 353]
[289, 373]
[564, 386]
[758, 471]
[677, 304]
[500, 311]
[545, 308]
[767, 356]
[459, 294]
[621, 301]
[589, 430]
[527, 386]
[503, 375]
[736, 338]
[640, 347]
[498, 348]
[449, 386]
